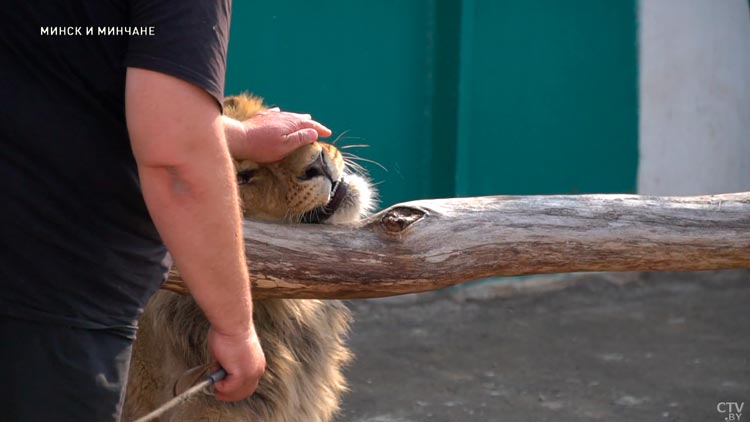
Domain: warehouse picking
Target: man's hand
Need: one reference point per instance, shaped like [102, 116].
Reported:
[243, 369]
[272, 135]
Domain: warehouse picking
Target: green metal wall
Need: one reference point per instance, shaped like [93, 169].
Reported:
[456, 97]
[548, 97]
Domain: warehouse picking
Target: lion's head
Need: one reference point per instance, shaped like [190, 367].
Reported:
[312, 185]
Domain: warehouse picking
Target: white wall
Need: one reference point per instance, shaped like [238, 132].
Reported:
[694, 96]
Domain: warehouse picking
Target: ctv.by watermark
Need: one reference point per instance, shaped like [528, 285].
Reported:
[731, 410]
[82, 31]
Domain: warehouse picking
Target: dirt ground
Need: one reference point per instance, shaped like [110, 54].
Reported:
[633, 347]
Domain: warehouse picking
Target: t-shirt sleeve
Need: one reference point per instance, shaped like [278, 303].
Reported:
[189, 42]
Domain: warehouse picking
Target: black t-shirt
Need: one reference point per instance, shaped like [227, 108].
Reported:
[77, 245]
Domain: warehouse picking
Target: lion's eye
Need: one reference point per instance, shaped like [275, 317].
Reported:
[311, 173]
[244, 176]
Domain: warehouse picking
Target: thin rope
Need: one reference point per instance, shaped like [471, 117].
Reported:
[184, 397]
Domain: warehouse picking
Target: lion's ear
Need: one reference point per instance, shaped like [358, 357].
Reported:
[243, 106]
[230, 102]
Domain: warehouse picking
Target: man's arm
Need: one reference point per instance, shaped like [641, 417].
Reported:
[187, 179]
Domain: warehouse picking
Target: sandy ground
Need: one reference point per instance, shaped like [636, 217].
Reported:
[637, 347]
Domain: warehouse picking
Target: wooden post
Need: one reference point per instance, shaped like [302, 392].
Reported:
[426, 245]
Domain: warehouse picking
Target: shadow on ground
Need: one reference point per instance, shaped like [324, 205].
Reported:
[659, 347]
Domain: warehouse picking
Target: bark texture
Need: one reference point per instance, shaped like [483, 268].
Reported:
[426, 245]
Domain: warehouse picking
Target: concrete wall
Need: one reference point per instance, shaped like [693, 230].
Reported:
[694, 125]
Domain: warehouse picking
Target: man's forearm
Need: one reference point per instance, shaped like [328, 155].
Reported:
[187, 179]
[188, 183]
[196, 211]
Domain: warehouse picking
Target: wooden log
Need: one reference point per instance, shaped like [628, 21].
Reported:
[425, 245]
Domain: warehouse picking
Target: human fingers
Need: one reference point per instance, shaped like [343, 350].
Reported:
[301, 116]
[269, 110]
[239, 383]
[242, 359]
[234, 387]
[323, 131]
[299, 138]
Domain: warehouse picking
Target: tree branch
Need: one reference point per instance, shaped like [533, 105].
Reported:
[426, 245]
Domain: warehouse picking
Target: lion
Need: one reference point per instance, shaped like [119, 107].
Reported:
[303, 340]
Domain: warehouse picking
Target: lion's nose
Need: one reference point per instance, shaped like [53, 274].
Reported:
[316, 169]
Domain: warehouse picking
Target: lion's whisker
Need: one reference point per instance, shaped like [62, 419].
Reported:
[368, 161]
[378, 183]
[348, 160]
[356, 168]
[338, 138]
[354, 146]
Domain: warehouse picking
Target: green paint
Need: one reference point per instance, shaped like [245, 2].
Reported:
[548, 100]
[456, 97]
[445, 77]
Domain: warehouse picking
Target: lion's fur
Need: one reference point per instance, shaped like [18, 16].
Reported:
[303, 340]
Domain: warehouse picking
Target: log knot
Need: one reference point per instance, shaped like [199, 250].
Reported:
[398, 219]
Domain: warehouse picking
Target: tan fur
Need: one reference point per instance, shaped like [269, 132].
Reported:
[303, 339]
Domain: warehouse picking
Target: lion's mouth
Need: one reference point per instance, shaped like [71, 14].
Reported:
[321, 214]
